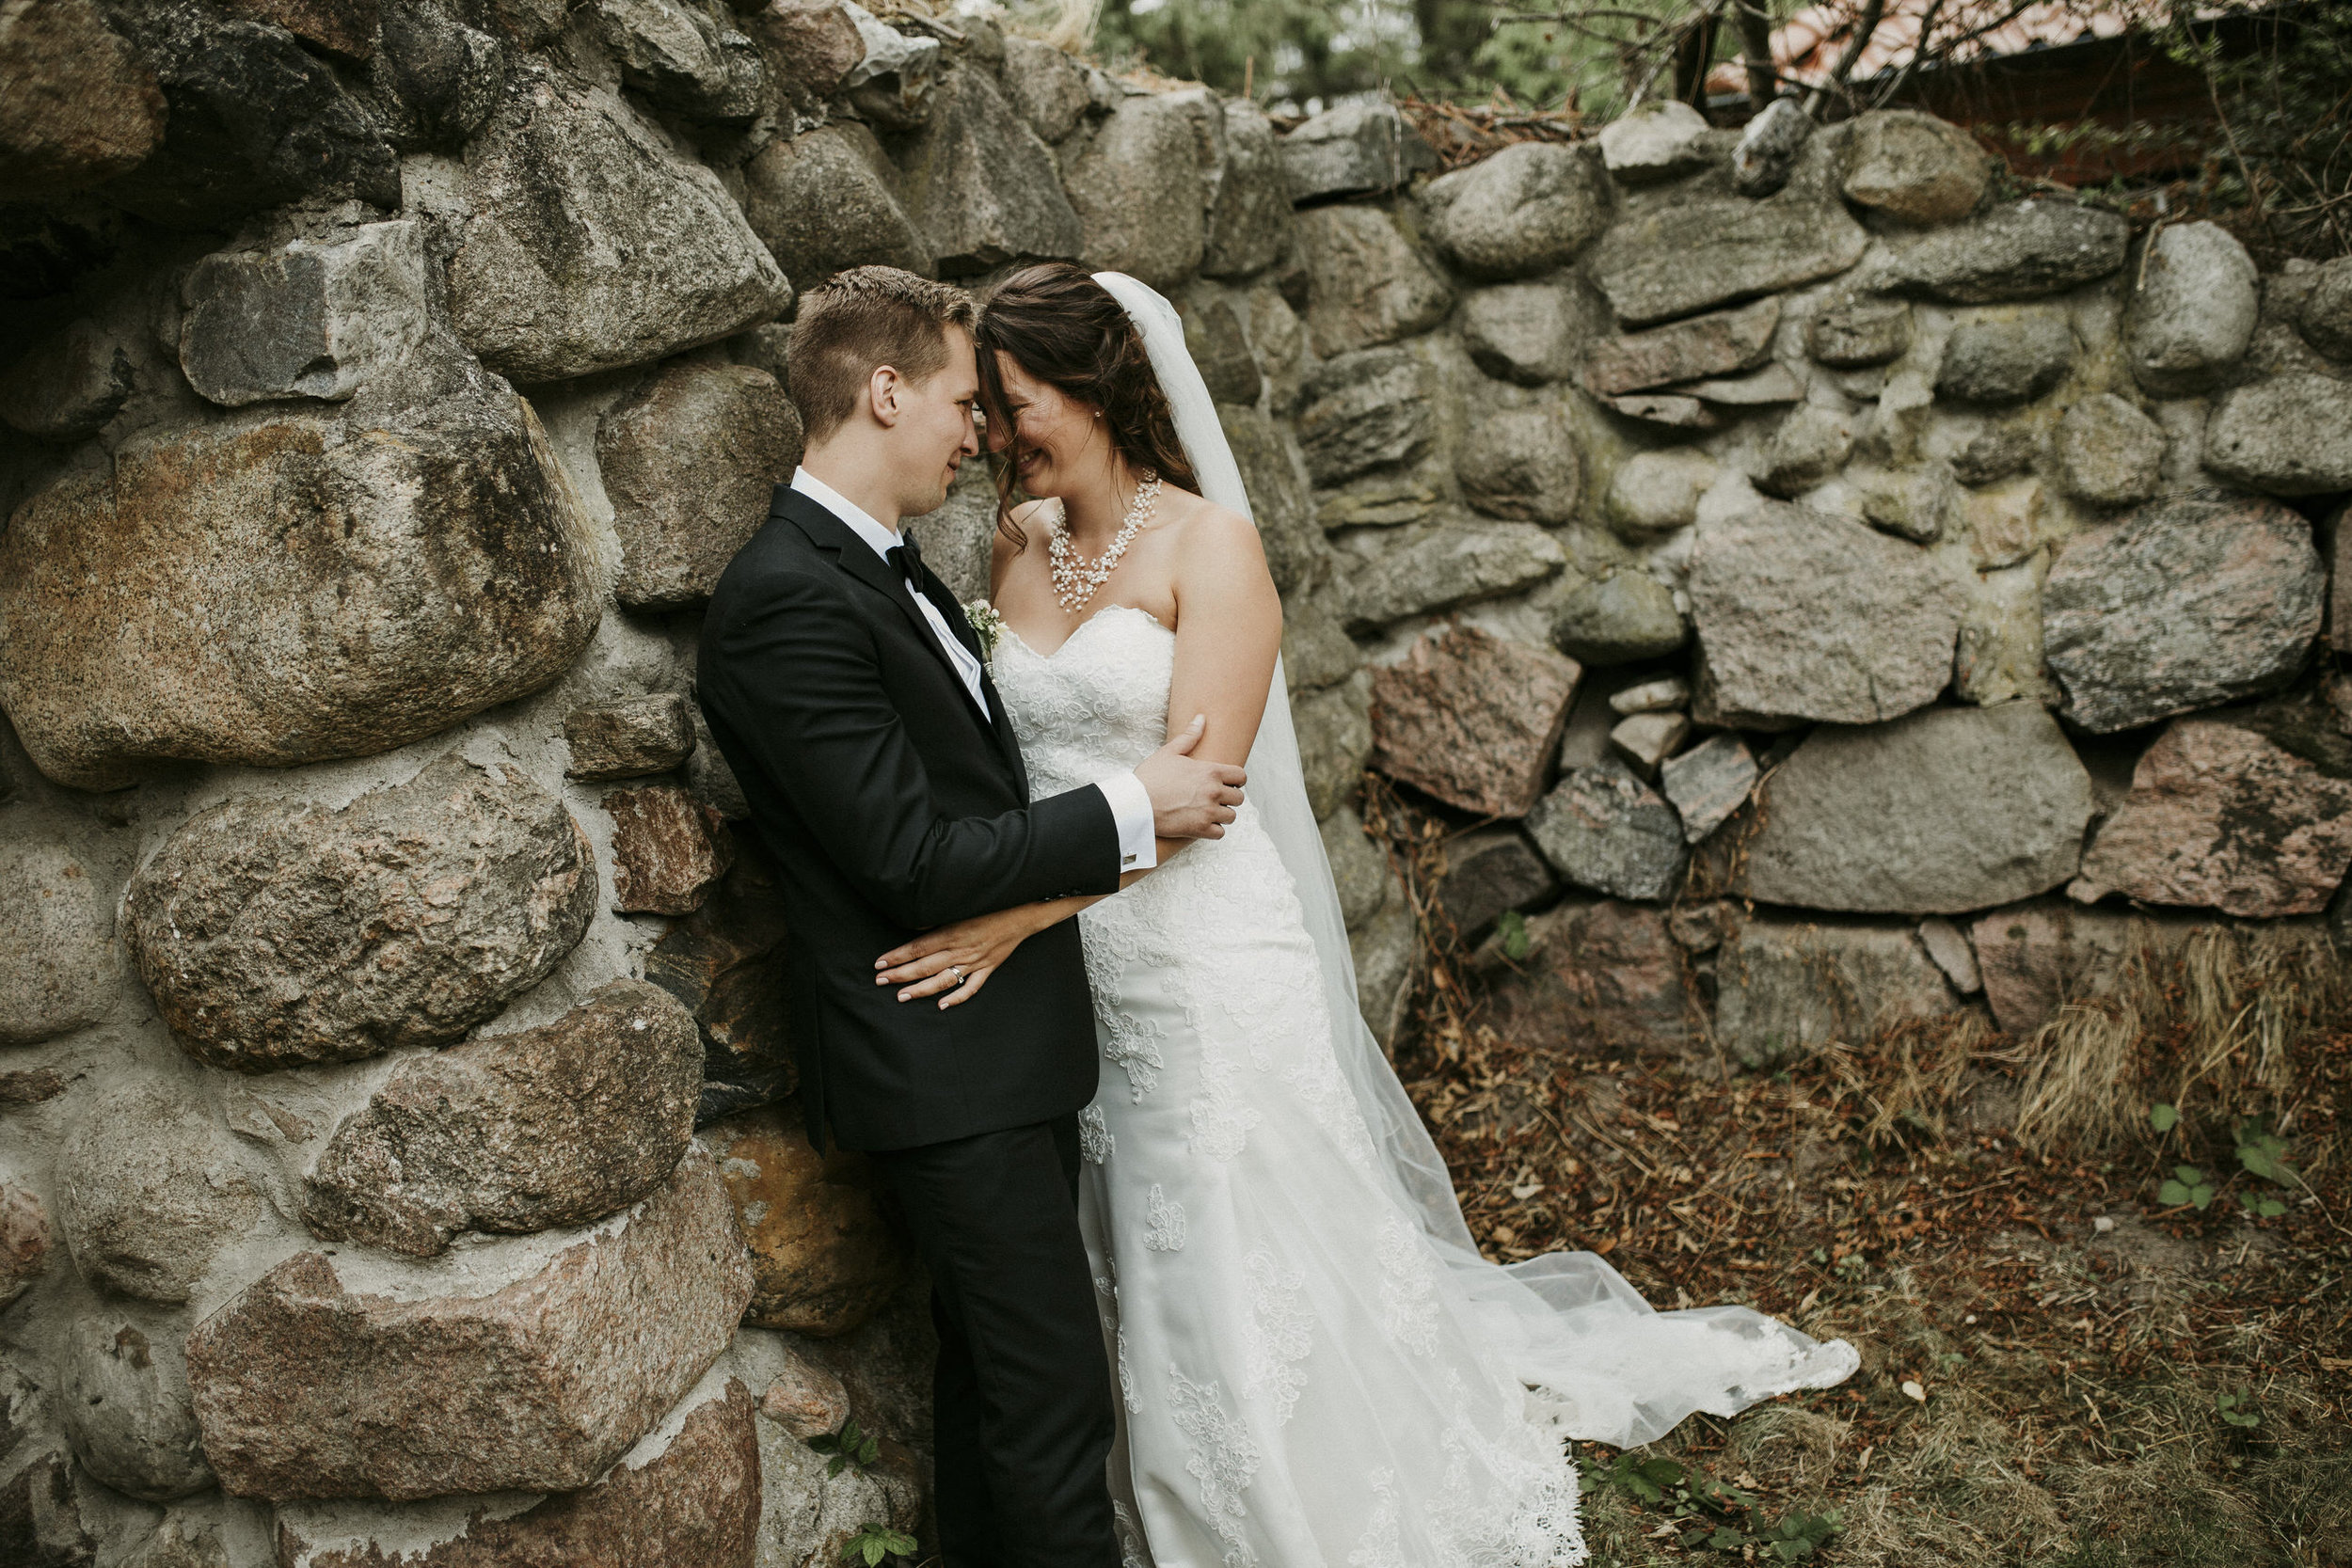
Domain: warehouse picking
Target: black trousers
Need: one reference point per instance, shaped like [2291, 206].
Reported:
[1022, 1398]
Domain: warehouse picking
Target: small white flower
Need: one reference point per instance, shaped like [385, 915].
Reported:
[986, 625]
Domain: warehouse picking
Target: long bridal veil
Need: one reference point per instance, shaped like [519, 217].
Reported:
[1597, 1360]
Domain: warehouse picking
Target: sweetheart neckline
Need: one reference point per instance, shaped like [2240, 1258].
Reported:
[1079, 629]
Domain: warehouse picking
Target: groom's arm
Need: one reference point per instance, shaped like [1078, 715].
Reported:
[795, 676]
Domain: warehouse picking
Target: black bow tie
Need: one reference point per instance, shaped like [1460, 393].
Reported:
[908, 558]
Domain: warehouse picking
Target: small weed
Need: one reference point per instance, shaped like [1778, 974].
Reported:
[2238, 1409]
[848, 1446]
[2189, 1185]
[873, 1543]
[1512, 928]
[1718, 1517]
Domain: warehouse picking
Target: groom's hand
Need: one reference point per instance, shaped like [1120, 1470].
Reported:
[1191, 799]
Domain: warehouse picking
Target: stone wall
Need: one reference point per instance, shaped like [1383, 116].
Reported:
[1821, 588]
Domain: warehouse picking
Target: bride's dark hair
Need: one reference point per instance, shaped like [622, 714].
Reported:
[1061, 326]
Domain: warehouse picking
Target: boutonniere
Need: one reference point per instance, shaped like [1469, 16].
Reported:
[986, 625]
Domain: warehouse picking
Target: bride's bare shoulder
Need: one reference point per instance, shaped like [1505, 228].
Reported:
[1202, 526]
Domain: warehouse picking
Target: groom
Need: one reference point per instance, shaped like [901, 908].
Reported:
[845, 688]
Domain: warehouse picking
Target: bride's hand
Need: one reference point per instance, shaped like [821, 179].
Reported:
[957, 958]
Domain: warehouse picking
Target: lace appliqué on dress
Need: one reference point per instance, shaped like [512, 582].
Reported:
[1279, 1336]
[1223, 1458]
[1094, 1139]
[1167, 1219]
[1408, 1296]
[1381, 1545]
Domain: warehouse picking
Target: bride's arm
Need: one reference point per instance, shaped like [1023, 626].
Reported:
[1228, 630]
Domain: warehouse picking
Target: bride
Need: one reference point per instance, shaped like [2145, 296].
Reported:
[1317, 1370]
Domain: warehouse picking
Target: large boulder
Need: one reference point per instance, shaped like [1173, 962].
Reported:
[2020, 251]
[2222, 816]
[2110, 454]
[1604, 828]
[307, 320]
[1914, 167]
[2193, 308]
[826, 201]
[2289, 435]
[1806, 615]
[823, 1259]
[78, 108]
[528, 1367]
[1678, 257]
[1046, 85]
[1522, 463]
[1785, 988]
[124, 1406]
[150, 1191]
[691, 462]
[1361, 411]
[1528, 209]
[251, 120]
[2005, 359]
[1604, 975]
[1472, 719]
[981, 187]
[1522, 332]
[1357, 148]
[385, 581]
[689, 1495]
[2183, 604]
[59, 969]
[1140, 186]
[273, 933]
[1250, 222]
[435, 79]
[1721, 344]
[681, 57]
[1446, 565]
[1936, 813]
[1365, 284]
[2034, 958]
[516, 1132]
[592, 244]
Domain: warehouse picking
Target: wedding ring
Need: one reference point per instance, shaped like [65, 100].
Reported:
[956, 970]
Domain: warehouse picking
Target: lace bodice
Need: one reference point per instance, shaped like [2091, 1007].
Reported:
[1098, 705]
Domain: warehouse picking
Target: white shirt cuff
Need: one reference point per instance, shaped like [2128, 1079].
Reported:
[1131, 809]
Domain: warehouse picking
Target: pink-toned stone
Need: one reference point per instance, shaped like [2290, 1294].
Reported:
[805, 1399]
[668, 849]
[531, 1367]
[2035, 957]
[823, 1258]
[23, 1240]
[1472, 719]
[695, 1503]
[1721, 344]
[2221, 817]
[1606, 974]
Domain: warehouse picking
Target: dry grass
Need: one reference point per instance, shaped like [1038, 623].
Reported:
[1936, 1195]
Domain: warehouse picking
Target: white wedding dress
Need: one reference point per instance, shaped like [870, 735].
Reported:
[1316, 1369]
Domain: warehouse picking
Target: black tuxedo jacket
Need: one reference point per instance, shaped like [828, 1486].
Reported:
[891, 805]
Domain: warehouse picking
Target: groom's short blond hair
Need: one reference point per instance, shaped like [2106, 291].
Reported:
[858, 321]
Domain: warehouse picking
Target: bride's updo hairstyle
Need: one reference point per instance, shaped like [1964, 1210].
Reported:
[1062, 327]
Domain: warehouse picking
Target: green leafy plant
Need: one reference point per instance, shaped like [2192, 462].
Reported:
[1512, 928]
[873, 1543]
[2189, 1185]
[848, 1446]
[2238, 1409]
[2263, 1153]
[1719, 1518]
[2163, 1118]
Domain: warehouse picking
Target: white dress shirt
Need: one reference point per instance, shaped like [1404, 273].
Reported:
[1129, 802]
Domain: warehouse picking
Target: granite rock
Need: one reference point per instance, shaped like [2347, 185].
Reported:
[1366, 284]
[387, 581]
[1620, 615]
[563, 172]
[307, 320]
[2324, 313]
[726, 964]
[2183, 604]
[2289, 435]
[1522, 463]
[1334, 740]
[668, 849]
[1936, 813]
[148, 1191]
[1680, 258]
[829, 200]
[1273, 476]
[25, 1240]
[2110, 454]
[2193, 308]
[1808, 446]
[1914, 167]
[1489, 871]
[67, 385]
[2035, 956]
[1769, 146]
[1604, 975]
[58, 967]
[1785, 988]
[1718, 344]
[1921, 504]
[1604, 828]
[1709, 783]
[516, 1132]
[1527, 209]
[682, 57]
[1659, 140]
[823, 1259]
[123, 1400]
[1357, 148]
[1858, 332]
[1441, 567]
[1655, 493]
[2020, 251]
[1250, 222]
[1140, 186]
[1364, 411]
[81, 108]
[2222, 817]
[630, 739]
[43, 1502]
[1991, 360]
[433, 79]
[1803, 615]
[1047, 86]
[1522, 332]
[1360, 868]
[273, 933]
[532, 1367]
[691, 461]
[1472, 719]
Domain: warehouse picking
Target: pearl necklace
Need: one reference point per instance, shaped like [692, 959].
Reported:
[1075, 578]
